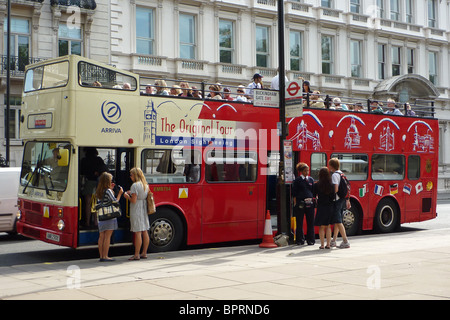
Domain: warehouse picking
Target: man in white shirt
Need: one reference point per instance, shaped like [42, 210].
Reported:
[256, 84]
[275, 83]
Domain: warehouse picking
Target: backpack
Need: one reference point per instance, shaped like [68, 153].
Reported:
[344, 187]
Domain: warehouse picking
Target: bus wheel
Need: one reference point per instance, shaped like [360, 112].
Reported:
[350, 219]
[166, 231]
[386, 216]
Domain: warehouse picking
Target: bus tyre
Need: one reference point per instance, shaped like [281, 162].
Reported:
[386, 217]
[166, 231]
[351, 220]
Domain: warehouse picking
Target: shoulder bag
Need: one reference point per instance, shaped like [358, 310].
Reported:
[151, 208]
[108, 209]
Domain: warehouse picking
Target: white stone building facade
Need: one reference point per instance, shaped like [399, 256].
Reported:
[348, 48]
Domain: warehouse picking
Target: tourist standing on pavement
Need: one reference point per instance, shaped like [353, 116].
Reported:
[138, 213]
[302, 191]
[340, 204]
[324, 192]
[106, 228]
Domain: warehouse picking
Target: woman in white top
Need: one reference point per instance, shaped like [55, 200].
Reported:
[138, 213]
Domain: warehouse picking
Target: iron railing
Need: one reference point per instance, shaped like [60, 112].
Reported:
[16, 64]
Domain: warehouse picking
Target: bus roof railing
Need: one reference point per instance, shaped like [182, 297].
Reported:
[204, 90]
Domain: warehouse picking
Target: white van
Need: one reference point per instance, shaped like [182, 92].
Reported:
[9, 185]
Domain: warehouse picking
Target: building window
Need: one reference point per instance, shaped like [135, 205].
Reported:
[355, 6]
[409, 11]
[381, 61]
[441, 143]
[20, 42]
[226, 41]
[396, 61]
[145, 26]
[395, 10]
[262, 46]
[432, 14]
[432, 67]
[380, 9]
[14, 115]
[355, 58]
[327, 3]
[327, 54]
[296, 50]
[70, 40]
[410, 57]
[187, 36]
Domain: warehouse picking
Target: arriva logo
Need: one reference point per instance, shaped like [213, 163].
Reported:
[111, 112]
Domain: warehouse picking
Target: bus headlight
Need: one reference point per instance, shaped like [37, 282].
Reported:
[60, 225]
[19, 214]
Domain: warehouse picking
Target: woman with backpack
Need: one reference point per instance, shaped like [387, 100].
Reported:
[340, 202]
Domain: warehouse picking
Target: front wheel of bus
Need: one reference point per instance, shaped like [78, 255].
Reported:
[166, 231]
[386, 217]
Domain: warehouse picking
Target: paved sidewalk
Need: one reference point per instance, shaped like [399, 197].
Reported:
[408, 265]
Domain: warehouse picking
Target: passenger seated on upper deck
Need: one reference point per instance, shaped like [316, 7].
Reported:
[338, 105]
[316, 101]
[358, 107]
[185, 90]
[375, 107]
[409, 112]
[196, 92]
[240, 94]
[175, 90]
[393, 108]
[214, 91]
[160, 86]
[126, 86]
[149, 89]
[97, 84]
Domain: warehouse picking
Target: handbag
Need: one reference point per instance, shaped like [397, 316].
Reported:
[108, 209]
[151, 208]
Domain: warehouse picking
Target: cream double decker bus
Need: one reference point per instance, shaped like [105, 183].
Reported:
[75, 109]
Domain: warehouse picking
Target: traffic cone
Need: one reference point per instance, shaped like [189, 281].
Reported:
[268, 241]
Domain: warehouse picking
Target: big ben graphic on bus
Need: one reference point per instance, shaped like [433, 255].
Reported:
[150, 118]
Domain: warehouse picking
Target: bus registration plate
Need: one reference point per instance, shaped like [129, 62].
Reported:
[52, 237]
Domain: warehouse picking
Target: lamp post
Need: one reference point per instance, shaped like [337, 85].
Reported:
[8, 75]
[284, 228]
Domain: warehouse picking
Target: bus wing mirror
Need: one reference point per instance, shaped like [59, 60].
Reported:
[63, 160]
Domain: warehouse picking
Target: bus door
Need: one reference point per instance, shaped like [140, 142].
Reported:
[230, 199]
[92, 162]
[412, 190]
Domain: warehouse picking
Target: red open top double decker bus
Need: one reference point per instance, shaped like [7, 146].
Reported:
[211, 164]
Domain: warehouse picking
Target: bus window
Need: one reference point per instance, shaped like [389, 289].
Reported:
[413, 167]
[41, 166]
[231, 166]
[91, 75]
[388, 167]
[171, 166]
[33, 79]
[55, 75]
[318, 160]
[48, 76]
[355, 166]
